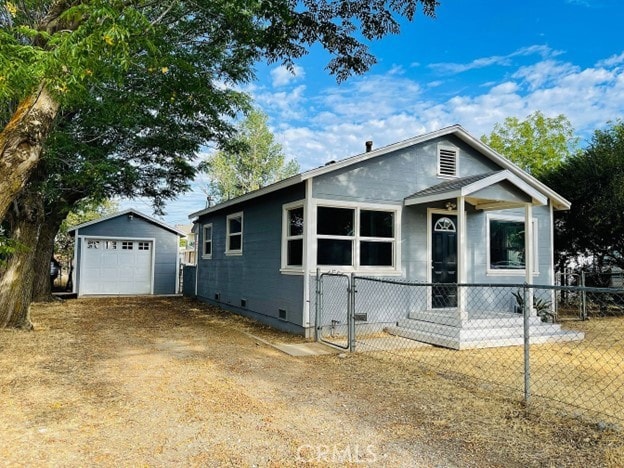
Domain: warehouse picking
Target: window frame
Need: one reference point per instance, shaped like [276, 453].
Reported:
[447, 147]
[286, 237]
[207, 256]
[228, 234]
[508, 271]
[357, 238]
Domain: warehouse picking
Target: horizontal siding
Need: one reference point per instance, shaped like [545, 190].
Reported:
[255, 275]
[165, 247]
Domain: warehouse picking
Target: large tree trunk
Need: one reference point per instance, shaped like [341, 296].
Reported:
[16, 284]
[21, 143]
[42, 286]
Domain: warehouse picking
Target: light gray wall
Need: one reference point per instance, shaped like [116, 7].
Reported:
[165, 246]
[254, 276]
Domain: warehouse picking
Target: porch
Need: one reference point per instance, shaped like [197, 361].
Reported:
[478, 330]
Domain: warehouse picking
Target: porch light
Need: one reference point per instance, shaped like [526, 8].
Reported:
[450, 206]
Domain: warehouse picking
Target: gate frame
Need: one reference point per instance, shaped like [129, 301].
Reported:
[350, 346]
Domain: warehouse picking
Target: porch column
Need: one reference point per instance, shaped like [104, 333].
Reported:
[461, 258]
[528, 249]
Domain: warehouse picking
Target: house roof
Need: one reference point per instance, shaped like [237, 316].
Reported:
[558, 201]
[467, 186]
[126, 212]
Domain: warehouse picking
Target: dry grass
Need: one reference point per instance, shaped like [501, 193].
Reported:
[157, 382]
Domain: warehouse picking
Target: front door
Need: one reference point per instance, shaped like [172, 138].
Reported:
[444, 260]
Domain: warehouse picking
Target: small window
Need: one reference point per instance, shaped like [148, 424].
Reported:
[207, 242]
[144, 245]
[294, 236]
[92, 244]
[110, 245]
[127, 245]
[234, 236]
[447, 161]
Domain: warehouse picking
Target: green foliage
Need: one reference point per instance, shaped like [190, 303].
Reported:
[542, 307]
[84, 212]
[251, 161]
[537, 144]
[593, 181]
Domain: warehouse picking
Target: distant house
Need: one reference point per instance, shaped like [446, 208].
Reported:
[188, 247]
[128, 253]
[438, 208]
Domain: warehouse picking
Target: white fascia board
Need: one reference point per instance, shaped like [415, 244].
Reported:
[330, 168]
[538, 197]
[560, 203]
[126, 212]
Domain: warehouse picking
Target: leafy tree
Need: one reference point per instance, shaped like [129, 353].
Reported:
[55, 53]
[252, 161]
[537, 144]
[593, 181]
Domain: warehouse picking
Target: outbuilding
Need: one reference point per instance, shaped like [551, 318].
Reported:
[127, 253]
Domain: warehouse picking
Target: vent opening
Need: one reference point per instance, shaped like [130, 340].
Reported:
[361, 317]
[243, 302]
[281, 313]
[217, 296]
[447, 162]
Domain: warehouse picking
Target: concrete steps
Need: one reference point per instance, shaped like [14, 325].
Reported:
[497, 330]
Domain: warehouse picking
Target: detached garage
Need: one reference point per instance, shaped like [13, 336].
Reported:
[128, 253]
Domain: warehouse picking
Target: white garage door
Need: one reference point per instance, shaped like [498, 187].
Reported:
[116, 267]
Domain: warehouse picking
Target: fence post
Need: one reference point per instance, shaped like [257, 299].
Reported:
[317, 306]
[583, 297]
[351, 312]
[527, 345]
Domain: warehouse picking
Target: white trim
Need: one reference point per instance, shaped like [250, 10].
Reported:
[514, 272]
[286, 237]
[228, 251]
[355, 267]
[467, 190]
[462, 250]
[430, 212]
[456, 130]
[82, 239]
[309, 249]
[206, 256]
[127, 212]
[447, 147]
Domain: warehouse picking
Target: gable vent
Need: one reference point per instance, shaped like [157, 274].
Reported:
[447, 162]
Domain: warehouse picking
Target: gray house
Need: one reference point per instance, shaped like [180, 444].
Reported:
[438, 208]
[128, 253]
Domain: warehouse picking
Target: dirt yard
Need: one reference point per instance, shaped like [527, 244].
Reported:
[166, 382]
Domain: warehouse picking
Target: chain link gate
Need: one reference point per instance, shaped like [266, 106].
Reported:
[334, 310]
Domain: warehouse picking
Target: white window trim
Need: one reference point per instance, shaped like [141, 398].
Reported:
[204, 254]
[285, 268]
[448, 147]
[395, 269]
[229, 251]
[503, 272]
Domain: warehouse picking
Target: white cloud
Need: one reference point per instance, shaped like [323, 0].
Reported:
[502, 60]
[335, 122]
[611, 61]
[283, 76]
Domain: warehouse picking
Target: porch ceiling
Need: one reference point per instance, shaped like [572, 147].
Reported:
[477, 190]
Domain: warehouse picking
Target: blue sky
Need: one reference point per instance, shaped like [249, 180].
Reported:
[476, 63]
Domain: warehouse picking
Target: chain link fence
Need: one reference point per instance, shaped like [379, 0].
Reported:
[560, 345]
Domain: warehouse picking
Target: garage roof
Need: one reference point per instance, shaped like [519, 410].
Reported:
[130, 211]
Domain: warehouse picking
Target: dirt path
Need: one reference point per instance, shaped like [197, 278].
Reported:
[170, 382]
